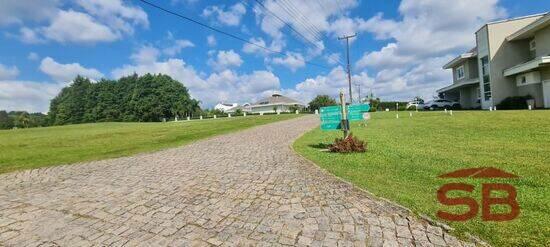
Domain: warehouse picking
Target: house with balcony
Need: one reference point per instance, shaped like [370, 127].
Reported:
[511, 58]
[465, 87]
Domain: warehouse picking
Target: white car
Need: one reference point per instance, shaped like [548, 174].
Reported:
[415, 105]
[441, 104]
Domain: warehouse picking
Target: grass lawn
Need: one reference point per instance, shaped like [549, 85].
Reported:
[38, 147]
[406, 155]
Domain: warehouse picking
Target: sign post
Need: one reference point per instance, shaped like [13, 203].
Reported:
[345, 122]
[338, 117]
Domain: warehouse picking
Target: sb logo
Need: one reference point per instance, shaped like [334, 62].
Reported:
[486, 199]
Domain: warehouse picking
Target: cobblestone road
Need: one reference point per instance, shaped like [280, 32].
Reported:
[241, 189]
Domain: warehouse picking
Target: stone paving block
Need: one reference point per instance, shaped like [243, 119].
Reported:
[256, 192]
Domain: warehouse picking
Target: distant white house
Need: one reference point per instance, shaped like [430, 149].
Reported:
[275, 103]
[225, 106]
[244, 108]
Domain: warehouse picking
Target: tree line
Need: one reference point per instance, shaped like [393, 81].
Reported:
[22, 119]
[147, 98]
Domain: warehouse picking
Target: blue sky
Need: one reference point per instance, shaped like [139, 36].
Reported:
[399, 51]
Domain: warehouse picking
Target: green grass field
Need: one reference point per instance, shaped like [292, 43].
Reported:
[38, 147]
[406, 155]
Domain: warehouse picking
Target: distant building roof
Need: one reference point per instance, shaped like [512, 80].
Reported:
[461, 58]
[225, 106]
[529, 30]
[277, 99]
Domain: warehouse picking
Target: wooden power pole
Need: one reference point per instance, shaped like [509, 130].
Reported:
[347, 37]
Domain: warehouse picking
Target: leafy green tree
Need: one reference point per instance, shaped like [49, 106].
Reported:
[5, 120]
[321, 101]
[22, 120]
[144, 98]
[70, 105]
[294, 108]
[374, 104]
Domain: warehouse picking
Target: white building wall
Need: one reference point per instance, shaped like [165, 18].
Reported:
[505, 55]
[482, 41]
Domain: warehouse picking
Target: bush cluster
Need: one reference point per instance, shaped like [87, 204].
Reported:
[349, 144]
[514, 103]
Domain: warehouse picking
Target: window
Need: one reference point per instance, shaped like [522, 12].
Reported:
[533, 48]
[460, 72]
[532, 45]
[485, 65]
[486, 78]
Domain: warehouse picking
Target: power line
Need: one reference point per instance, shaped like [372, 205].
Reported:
[293, 29]
[222, 32]
[285, 23]
[291, 13]
[303, 17]
[304, 20]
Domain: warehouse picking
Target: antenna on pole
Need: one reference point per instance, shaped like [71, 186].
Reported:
[347, 37]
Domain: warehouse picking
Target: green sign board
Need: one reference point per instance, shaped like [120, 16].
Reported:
[331, 116]
[355, 112]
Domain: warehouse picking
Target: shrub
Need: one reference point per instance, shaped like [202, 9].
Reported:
[513, 103]
[349, 144]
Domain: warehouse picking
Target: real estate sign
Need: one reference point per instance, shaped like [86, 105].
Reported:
[331, 116]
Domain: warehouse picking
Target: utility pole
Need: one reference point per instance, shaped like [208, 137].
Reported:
[347, 37]
[358, 92]
[344, 123]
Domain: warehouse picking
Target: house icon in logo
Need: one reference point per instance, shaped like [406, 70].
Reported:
[486, 199]
[481, 172]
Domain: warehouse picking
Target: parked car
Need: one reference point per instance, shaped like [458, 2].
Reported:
[415, 104]
[441, 104]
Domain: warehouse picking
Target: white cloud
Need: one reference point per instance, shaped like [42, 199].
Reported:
[427, 36]
[17, 11]
[388, 56]
[33, 56]
[225, 85]
[230, 17]
[333, 58]
[225, 59]
[29, 36]
[317, 14]
[85, 21]
[8, 72]
[329, 84]
[176, 68]
[67, 72]
[211, 40]
[177, 47]
[187, 2]
[27, 95]
[145, 55]
[276, 45]
[292, 60]
[77, 27]
[430, 27]
[115, 14]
